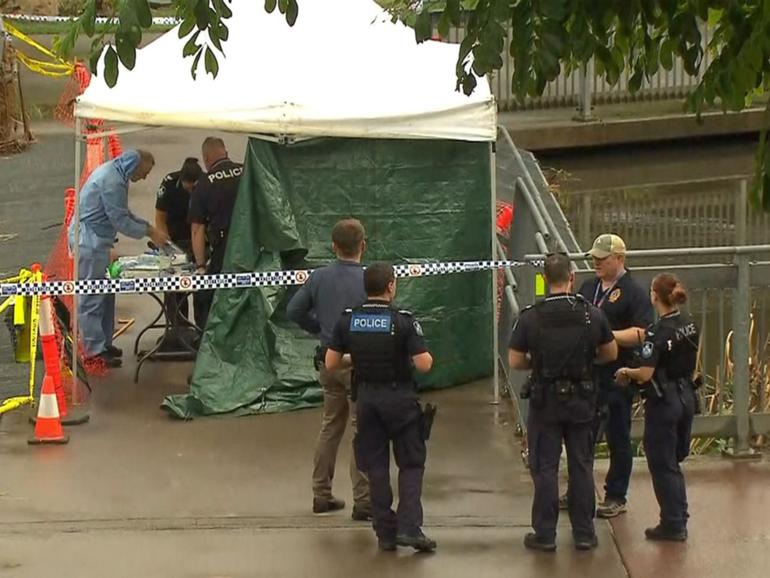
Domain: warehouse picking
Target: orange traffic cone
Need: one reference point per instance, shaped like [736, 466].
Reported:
[48, 428]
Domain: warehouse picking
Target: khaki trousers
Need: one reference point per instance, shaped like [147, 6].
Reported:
[337, 408]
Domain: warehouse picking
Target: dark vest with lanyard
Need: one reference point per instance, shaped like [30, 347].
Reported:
[377, 347]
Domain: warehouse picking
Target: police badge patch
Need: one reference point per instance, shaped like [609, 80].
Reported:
[647, 350]
[417, 328]
[614, 296]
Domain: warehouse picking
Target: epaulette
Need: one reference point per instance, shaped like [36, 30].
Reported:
[528, 307]
[348, 310]
[405, 312]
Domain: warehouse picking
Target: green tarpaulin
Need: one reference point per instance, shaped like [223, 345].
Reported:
[420, 201]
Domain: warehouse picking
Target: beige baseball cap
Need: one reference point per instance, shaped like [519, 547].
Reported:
[606, 245]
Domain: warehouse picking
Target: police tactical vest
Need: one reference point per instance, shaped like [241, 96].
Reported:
[564, 349]
[374, 345]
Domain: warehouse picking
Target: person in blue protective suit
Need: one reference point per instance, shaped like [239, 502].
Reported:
[104, 212]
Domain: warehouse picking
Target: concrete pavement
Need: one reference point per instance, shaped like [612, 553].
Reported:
[137, 493]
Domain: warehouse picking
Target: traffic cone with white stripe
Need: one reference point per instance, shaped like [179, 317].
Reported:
[51, 357]
[48, 429]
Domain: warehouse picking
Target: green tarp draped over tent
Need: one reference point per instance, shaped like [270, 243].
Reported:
[420, 201]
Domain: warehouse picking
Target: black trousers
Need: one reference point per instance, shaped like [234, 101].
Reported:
[206, 298]
[548, 426]
[179, 302]
[391, 415]
[667, 431]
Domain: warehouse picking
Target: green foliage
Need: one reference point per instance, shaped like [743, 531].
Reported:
[203, 24]
[634, 36]
[547, 36]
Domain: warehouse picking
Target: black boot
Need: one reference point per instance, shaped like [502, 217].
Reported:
[533, 542]
[664, 534]
[418, 541]
[586, 542]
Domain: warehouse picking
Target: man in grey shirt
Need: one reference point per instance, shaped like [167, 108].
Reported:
[316, 308]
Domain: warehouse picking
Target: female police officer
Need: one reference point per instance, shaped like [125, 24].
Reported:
[667, 366]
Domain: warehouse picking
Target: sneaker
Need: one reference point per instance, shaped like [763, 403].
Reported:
[589, 543]
[563, 504]
[610, 508]
[386, 544]
[662, 534]
[323, 505]
[362, 513]
[533, 542]
[114, 351]
[418, 541]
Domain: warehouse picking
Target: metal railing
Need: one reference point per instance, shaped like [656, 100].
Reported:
[688, 214]
[581, 87]
[538, 225]
[729, 301]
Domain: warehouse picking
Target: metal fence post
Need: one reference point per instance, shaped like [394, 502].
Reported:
[741, 213]
[585, 220]
[741, 376]
[584, 97]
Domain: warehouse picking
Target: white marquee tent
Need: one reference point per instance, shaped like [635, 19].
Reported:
[343, 70]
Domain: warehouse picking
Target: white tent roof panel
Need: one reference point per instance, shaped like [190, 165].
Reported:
[342, 70]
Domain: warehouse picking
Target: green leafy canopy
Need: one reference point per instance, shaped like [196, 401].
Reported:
[546, 37]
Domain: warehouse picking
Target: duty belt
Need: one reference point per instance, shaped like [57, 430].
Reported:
[386, 384]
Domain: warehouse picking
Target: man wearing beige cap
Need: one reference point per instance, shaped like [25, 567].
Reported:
[626, 304]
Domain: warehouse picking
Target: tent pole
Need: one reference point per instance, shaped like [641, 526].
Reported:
[75, 261]
[493, 209]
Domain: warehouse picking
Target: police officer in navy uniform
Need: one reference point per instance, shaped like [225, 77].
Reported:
[559, 339]
[172, 206]
[626, 304]
[384, 345]
[211, 208]
[668, 362]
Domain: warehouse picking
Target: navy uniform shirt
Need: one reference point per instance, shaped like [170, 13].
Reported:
[174, 200]
[213, 199]
[625, 304]
[330, 290]
[525, 332]
[671, 344]
[408, 330]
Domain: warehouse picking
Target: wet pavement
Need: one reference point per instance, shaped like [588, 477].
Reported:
[136, 493]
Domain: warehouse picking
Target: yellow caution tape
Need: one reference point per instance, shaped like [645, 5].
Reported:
[45, 68]
[19, 309]
[34, 323]
[25, 276]
[58, 68]
[7, 303]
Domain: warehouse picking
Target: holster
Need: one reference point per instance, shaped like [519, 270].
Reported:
[319, 359]
[428, 415]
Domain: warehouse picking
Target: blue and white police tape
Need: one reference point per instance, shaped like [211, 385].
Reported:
[161, 20]
[189, 283]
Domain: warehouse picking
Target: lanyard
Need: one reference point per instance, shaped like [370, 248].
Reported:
[599, 301]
